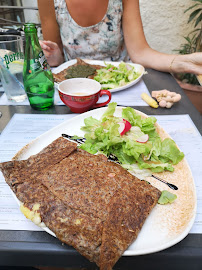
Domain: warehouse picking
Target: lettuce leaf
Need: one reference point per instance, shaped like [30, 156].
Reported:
[167, 197]
[111, 77]
[103, 136]
[170, 152]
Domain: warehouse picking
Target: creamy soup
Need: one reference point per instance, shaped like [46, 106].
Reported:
[82, 93]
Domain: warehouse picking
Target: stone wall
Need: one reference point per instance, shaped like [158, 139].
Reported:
[30, 15]
[165, 23]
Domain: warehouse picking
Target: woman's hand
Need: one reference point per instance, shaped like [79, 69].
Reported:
[189, 63]
[52, 53]
[141, 53]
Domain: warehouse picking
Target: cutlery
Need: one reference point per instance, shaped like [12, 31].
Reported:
[112, 157]
[79, 140]
[165, 182]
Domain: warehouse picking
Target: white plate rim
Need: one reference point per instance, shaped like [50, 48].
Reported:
[137, 67]
[83, 116]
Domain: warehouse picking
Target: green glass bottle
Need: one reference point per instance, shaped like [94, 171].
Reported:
[37, 75]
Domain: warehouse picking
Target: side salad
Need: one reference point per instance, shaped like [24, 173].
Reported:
[132, 139]
[111, 77]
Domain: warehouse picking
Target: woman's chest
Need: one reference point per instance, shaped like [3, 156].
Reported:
[87, 12]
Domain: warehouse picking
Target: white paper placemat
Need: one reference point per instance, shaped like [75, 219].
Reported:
[128, 97]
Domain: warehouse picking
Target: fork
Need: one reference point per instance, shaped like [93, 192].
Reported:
[112, 157]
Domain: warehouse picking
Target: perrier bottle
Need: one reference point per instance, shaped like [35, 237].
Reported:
[37, 75]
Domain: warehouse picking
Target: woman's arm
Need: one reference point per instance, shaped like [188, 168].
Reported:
[52, 46]
[140, 52]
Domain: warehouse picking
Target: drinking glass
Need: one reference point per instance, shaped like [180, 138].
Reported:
[11, 67]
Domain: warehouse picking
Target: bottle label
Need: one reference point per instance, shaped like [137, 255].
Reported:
[9, 58]
[39, 63]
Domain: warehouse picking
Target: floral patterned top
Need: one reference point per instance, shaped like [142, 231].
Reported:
[102, 41]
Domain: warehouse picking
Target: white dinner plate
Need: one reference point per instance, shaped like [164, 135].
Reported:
[166, 224]
[138, 68]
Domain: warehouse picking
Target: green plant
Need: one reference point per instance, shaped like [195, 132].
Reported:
[194, 39]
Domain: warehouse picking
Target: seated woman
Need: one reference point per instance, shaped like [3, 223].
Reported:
[104, 30]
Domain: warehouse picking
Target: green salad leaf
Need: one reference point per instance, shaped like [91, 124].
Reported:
[167, 197]
[154, 154]
[111, 77]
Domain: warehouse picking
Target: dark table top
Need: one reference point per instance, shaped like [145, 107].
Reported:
[25, 248]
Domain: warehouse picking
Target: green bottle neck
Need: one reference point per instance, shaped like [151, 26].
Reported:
[31, 34]
[30, 28]
[32, 39]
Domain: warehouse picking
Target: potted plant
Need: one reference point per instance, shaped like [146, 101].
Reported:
[189, 82]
